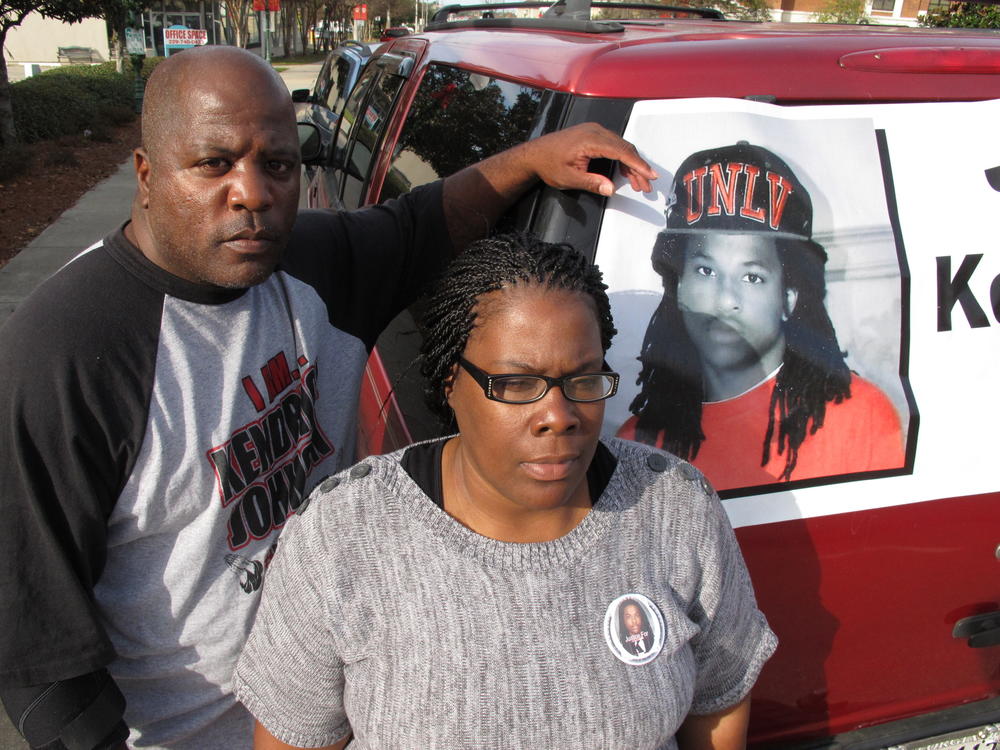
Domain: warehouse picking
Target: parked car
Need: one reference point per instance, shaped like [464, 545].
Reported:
[394, 32]
[341, 68]
[882, 583]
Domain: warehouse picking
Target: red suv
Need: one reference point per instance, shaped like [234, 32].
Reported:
[873, 151]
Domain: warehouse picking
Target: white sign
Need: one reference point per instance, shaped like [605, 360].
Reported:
[182, 37]
[839, 233]
[135, 42]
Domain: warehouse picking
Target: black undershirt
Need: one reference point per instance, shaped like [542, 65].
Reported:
[423, 463]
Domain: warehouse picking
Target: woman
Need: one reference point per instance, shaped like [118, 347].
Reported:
[452, 594]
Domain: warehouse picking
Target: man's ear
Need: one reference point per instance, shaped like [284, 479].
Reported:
[791, 298]
[140, 160]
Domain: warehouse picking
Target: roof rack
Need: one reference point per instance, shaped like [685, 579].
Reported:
[360, 46]
[563, 15]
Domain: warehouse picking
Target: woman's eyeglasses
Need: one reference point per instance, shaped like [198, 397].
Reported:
[523, 389]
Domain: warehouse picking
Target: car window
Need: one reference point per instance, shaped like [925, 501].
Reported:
[366, 116]
[336, 92]
[322, 81]
[458, 118]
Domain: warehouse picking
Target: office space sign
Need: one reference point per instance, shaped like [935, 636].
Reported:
[181, 36]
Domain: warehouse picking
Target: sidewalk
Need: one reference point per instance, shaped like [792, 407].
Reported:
[97, 213]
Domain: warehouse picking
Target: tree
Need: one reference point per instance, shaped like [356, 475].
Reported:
[119, 14]
[744, 10]
[238, 20]
[308, 13]
[12, 14]
[967, 15]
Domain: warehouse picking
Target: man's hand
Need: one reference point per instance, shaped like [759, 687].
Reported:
[477, 196]
[560, 159]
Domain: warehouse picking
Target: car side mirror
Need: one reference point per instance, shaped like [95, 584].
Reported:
[301, 95]
[310, 143]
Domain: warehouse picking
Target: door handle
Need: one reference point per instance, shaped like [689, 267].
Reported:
[981, 630]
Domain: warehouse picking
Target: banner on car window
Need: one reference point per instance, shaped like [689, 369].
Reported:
[808, 304]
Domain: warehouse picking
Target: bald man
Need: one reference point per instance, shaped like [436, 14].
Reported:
[177, 390]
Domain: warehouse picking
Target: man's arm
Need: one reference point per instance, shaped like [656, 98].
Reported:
[477, 196]
[80, 713]
[722, 730]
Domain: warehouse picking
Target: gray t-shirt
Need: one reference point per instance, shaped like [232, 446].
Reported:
[385, 617]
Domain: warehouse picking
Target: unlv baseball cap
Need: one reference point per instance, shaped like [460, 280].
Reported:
[741, 188]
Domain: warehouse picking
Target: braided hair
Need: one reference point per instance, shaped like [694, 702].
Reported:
[500, 262]
[813, 372]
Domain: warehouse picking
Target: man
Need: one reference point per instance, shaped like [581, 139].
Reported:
[742, 372]
[637, 636]
[175, 392]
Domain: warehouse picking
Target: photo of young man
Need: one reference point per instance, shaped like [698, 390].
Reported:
[741, 369]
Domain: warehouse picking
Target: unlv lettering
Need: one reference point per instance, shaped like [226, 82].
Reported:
[722, 186]
[747, 211]
[694, 182]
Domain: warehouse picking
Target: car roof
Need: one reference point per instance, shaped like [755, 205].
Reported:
[791, 62]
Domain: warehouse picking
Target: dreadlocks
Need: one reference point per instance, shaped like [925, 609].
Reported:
[813, 372]
[499, 262]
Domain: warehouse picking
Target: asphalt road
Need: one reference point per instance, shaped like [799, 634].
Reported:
[97, 213]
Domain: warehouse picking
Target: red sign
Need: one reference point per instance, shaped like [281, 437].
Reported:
[258, 5]
[361, 12]
[274, 5]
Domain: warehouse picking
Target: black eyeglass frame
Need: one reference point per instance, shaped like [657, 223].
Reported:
[486, 381]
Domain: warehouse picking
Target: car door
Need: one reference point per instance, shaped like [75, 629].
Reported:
[342, 181]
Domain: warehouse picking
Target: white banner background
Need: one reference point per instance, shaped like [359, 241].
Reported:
[938, 154]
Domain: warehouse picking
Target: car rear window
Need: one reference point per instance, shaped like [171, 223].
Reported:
[458, 118]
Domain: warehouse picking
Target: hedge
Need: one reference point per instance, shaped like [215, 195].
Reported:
[71, 99]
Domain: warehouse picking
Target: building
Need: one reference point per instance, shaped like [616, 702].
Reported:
[40, 43]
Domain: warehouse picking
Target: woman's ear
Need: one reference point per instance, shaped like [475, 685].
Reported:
[791, 297]
[449, 383]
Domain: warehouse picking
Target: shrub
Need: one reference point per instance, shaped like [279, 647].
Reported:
[965, 16]
[843, 11]
[71, 99]
[116, 114]
[49, 105]
[148, 63]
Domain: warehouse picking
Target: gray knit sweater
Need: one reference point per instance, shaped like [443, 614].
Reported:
[384, 617]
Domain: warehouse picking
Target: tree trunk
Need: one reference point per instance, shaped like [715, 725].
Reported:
[288, 31]
[238, 16]
[121, 50]
[8, 133]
